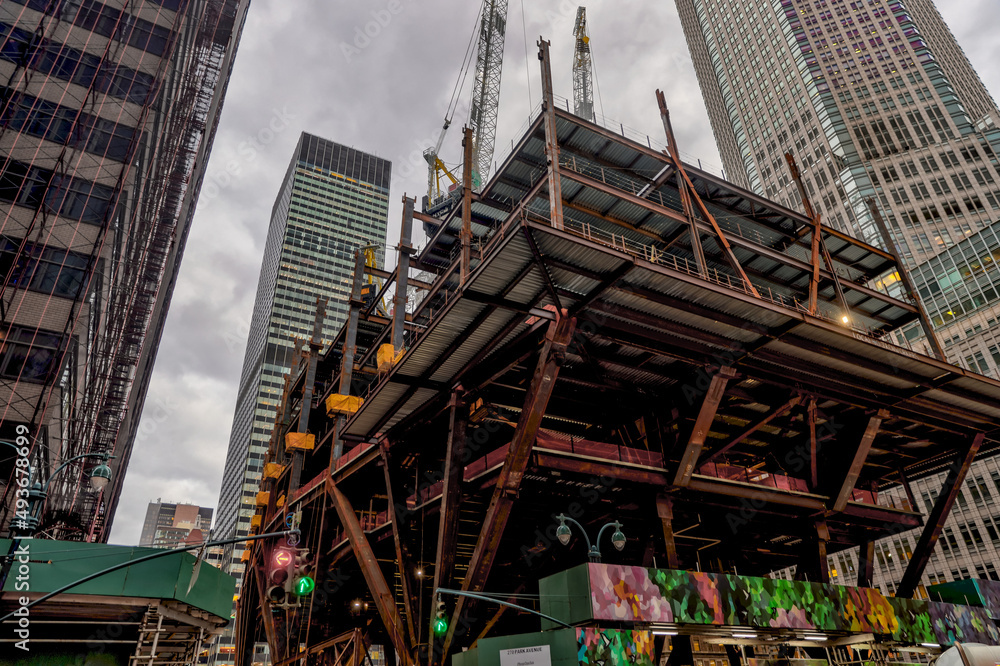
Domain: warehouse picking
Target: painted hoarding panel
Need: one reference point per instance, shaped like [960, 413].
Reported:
[614, 647]
[639, 594]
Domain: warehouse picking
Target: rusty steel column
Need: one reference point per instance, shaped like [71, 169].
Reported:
[904, 277]
[818, 246]
[858, 463]
[350, 343]
[813, 447]
[550, 359]
[668, 129]
[905, 482]
[665, 510]
[866, 564]
[402, 276]
[723, 242]
[315, 348]
[451, 493]
[551, 137]
[936, 520]
[702, 426]
[372, 572]
[465, 235]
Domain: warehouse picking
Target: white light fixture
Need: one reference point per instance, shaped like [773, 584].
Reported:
[664, 633]
[741, 635]
[930, 645]
[815, 638]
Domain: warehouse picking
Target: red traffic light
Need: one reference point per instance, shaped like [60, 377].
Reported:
[282, 558]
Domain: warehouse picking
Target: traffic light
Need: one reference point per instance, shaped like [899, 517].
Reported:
[302, 583]
[279, 575]
[441, 621]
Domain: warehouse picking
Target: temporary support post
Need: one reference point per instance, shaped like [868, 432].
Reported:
[754, 427]
[465, 236]
[403, 560]
[702, 426]
[543, 381]
[904, 277]
[384, 600]
[350, 343]
[668, 129]
[905, 482]
[665, 510]
[315, 347]
[866, 564]
[860, 456]
[818, 246]
[451, 492]
[685, 182]
[402, 276]
[935, 521]
[813, 446]
[551, 137]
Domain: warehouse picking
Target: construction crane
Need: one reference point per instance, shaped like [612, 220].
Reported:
[492, 30]
[583, 69]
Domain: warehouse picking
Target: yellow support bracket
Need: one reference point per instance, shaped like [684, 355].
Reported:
[388, 357]
[273, 470]
[263, 497]
[299, 441]
[343, 405]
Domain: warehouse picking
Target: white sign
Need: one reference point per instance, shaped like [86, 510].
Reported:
[526, 656]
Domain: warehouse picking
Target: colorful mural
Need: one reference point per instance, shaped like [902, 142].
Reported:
[638, 594]
[614, 647]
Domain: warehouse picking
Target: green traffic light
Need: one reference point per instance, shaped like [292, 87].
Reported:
[440, 626]
[304, 586]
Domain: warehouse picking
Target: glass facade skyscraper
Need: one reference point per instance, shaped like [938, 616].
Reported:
[333, 200]
[107, 115]
[876, 100]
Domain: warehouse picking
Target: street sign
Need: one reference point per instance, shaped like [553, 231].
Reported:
[527, 656]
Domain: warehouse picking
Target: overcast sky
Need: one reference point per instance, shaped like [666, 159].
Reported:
[302, 66]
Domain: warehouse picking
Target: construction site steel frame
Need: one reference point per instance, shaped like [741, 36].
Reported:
[107, 117]
[617, 336]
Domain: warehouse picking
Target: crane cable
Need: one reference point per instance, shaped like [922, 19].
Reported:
[466, 62]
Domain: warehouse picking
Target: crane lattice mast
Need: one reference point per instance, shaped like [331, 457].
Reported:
[583, 69]
[486, 93]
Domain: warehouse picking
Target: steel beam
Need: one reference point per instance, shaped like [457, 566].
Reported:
[703, 425]
[397, 502]
[451, 493]
[936, 520]
[813, 446]
[551, 137]
[550, 359]
[874, 423]
[372, 572]
[754, 427]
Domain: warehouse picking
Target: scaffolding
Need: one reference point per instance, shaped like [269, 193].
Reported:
[171, 58]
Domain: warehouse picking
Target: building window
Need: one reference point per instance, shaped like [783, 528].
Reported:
[29, 355]
[43, 269]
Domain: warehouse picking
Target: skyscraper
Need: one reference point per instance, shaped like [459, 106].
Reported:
[107, 115]
[171, 525]
[876, 100]
[333, 200]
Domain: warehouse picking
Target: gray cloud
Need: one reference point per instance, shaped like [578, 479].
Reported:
[384, 97]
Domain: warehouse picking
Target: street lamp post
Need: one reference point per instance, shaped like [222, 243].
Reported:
[24, 528]
[563, 533]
